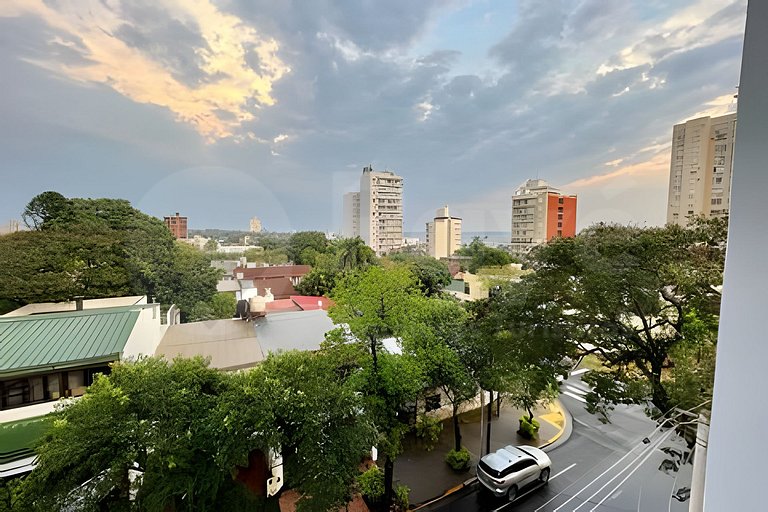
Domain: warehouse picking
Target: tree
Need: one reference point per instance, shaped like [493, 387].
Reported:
[152, 416]
[186, 279]
[433, 275]
[322, 278]
[267, 256]
[633, 296]
[212, 245]
[373, 305]
[344, 256]
[221, 306]
[90, 247]
[45, 208]
[297, 404]
[188, 428]
[304, 246]
[56, 265]
[484, 256]
[353, 254]
[434, 339]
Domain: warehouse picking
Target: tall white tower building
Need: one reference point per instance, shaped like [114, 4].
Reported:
[351, 224]
[700, 168]
[381, 210]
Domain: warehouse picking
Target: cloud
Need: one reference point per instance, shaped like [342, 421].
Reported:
[463, 109]
[190, 58]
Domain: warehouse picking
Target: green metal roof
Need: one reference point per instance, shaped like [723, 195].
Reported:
[62, 340]
[18, 438]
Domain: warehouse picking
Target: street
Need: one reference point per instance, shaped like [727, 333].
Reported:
[601, 467]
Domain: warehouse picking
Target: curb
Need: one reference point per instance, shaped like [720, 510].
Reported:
[552, 443]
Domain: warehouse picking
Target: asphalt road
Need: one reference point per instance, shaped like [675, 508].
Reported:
[601, 468]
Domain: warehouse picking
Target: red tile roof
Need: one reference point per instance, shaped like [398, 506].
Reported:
[308, 303]
[280, 305]
[272, 272]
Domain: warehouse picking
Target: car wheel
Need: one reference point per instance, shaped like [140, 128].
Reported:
[544, 476]
[512, 493]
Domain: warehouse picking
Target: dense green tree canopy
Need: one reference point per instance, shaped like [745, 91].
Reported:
[635, 297]
[483, 256]
[373, 305]
[432, 275]
[304, 246]
[342, 257]
[99, 248]
[186, 428]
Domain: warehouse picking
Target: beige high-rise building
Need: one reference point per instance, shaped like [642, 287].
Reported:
[539, 213]
[381, 210]
[255, 225]
[351, 224]
[443, 234]
[700, 168]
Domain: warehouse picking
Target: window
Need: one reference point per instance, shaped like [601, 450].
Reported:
[561, 200]
[559, 232]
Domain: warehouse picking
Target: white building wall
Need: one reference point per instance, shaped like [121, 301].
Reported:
[146, 334]
[351, 211]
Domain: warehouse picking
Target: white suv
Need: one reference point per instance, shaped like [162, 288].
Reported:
[507, 470]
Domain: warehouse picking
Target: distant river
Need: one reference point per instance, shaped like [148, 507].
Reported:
[491, 238]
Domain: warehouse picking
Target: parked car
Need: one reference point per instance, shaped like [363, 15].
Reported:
[507, 470]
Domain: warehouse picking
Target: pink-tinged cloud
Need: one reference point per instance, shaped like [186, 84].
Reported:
[215, 107]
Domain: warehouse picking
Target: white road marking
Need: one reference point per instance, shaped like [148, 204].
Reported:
[577, 390]
[579, 371]
[577, 397]
[650, 452]
[603, 474]
[562, 471]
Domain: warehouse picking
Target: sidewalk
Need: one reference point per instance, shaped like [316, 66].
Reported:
[426, 472]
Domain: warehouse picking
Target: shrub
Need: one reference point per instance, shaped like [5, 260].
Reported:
[458, 460]
[402, 500]
[371, 484]
[429, 429]
[528, 429]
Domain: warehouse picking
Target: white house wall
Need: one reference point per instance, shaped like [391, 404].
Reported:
[146, 335]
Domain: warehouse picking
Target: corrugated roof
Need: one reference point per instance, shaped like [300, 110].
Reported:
[58, 340]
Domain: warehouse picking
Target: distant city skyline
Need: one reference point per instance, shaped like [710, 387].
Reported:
[222, 110]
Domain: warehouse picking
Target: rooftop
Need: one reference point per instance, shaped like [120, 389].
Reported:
[42, 343]
[57, 307]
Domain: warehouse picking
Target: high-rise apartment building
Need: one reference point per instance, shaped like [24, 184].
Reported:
[376, 212]
[351, 226]
[700, 168]
[177, 225]
[443, 234]
[539, 213]
[255, 225]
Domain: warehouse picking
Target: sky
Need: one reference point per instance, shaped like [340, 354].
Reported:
[227, 109]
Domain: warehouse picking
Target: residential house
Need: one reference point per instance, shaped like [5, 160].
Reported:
[52, 351]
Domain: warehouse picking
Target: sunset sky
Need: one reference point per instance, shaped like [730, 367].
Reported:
[226, 109]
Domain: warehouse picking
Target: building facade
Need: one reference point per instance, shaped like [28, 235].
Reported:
[351, 210]
[700, 168]
[443, 234]
[53, 351]
[380, 217]
[539, 213]
[254, 225]
[177, 225]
